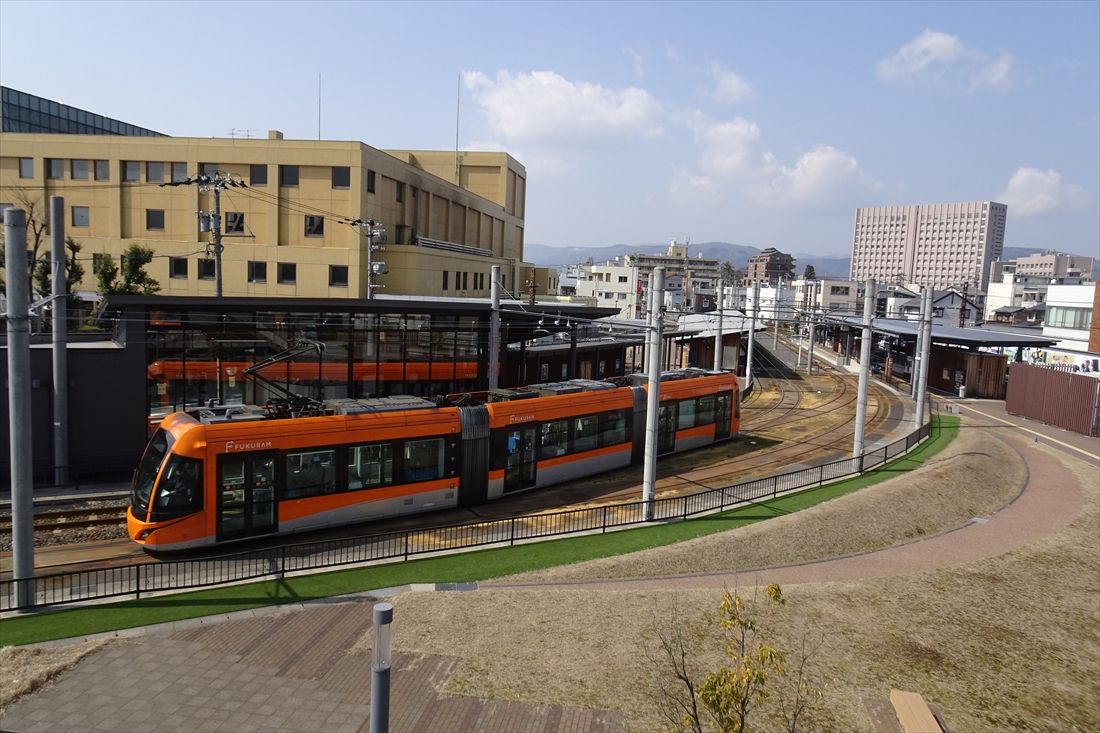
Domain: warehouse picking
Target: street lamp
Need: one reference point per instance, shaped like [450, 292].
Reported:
[381, 651]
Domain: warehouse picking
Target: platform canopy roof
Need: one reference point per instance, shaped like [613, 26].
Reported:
[951, 335]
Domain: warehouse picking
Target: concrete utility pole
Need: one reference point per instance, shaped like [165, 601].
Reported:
[494, 327]
[19, 405]
[212, 221]
[864, 367]
[925, 357]
[216, 228]
[59, 288]
[752, 333]
[718, 335]
[653, 400]
[918, 344]
[374, 230]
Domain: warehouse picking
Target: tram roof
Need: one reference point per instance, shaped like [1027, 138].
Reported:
[907, 329]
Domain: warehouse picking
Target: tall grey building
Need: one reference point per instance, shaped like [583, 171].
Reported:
[933, 244]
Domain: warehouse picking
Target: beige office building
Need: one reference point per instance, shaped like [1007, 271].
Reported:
[288, 231]
[936, 244]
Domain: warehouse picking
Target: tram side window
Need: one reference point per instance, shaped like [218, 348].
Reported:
[585, 436]
[180, 489]
[613, 428]
[704, 410]
[423, 459]
[687, 415]
[555, 439]
[310, 473]
[369, 466]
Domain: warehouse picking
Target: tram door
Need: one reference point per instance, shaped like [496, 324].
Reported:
[666, 428]
[520, 458]
[722, 416]
[246, 496]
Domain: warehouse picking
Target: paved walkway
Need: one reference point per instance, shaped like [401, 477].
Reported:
[293, 670]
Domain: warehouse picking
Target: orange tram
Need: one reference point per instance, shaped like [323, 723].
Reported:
[225, 473]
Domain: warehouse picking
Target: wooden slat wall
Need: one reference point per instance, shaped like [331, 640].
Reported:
[1063, 399]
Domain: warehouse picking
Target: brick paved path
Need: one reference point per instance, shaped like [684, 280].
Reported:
[286, 672]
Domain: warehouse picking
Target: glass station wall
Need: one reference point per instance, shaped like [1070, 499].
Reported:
[195, 357]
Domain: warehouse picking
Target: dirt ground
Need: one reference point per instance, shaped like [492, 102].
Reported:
[26, 669]
[1008, 643]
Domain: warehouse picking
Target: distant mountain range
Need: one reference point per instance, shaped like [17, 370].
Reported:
[735, 254]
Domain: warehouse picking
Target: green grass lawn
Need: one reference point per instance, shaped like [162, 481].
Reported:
[464, 567]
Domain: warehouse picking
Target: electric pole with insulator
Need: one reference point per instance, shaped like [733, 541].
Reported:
[211, 221]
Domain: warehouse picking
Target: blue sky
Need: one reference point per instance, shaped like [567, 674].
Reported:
[758, 124]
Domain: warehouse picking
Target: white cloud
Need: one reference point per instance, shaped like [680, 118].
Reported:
[936, 56]
[728, 86]
[733, 162]
[1033, 192]
[544, 108]
[636, 60]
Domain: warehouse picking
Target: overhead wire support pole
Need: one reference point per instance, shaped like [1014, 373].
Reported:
[813, 325]
[59, 287]
[864, 368]
[775, 311]
[925, 358]
[752, 333]
[19, 406]
[494, 327]
[718, 333]
[653, 399]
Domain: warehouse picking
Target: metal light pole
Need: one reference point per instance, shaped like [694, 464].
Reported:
[381, 652]
[19, 405]
[864, 367]
[653, 400]
[494, 327]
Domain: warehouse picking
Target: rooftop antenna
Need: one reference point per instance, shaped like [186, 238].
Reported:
[458, 111]
[318, 105]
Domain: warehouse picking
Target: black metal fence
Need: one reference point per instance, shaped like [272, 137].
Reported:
[178, 575]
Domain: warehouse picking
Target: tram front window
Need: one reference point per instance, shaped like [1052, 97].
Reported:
[180, 489]
[146, 473]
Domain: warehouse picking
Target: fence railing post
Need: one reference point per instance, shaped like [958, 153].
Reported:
[775, 486]
[137, 587]
[282, 562]
[860, 470]
[821, 475]
[512, 533]
[685, 513]
[406, 545]
[603, 530]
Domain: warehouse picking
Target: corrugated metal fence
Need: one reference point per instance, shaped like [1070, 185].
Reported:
[1063, 399]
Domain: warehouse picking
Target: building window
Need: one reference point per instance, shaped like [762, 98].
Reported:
[370, 181]
[208, 169]
[257, 272]
[26, 167]
[288, 175]
[400, 193]
[288, 273]
[234, 222]
[55, 168]
[341, 176]
[338, 276]
[257, 175]
[177, 267]
[102, 170]
[446, 278]
[78, 170]
[154, 219]
[179, 172]
[465, 280]
[80, 216]
[131, 170]
[206, 269]
[315, 226]
[154, 172]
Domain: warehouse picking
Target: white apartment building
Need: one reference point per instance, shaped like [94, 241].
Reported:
[1048, 264]
[934, 244]
[613, 285]
[836, 296]
[1069, 315]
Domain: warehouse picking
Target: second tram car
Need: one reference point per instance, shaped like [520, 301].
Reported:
[226, 473]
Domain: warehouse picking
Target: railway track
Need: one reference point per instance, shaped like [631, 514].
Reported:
[805, 427]
[65, 519]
